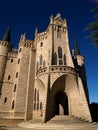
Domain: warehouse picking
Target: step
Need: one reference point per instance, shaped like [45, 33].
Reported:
[59, 123]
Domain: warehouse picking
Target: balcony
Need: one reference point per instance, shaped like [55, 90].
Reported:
[57, 69]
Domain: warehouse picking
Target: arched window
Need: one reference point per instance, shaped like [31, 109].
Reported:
[5, 99]
[41, 59]
[9, 77]
[41, 44]
[11, 60]
[64, 59]
[17, 75]
[13, 104]
[18, 60]
[59, 52]
[15, 88]
[44, 63]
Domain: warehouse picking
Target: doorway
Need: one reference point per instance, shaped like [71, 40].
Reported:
[61, 104]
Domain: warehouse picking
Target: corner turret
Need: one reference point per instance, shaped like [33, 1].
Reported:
[5, 48]
[77, 55]
[80, 66]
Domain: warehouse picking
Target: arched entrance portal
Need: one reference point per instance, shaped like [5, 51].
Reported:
[57, 99]
[61, 101]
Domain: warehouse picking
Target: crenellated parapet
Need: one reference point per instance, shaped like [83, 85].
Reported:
[26, 43]
[6, 44]
[13, 54]
[60, 28]
[41, 36]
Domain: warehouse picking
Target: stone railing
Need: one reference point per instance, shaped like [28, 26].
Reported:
[42, 71]
[57, 69]
[62, 69]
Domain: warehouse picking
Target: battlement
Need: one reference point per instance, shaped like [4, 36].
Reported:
[13, 53]
[5, 43]
[26, 43]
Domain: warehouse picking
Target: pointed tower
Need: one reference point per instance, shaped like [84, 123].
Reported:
[5, 48]
[80, 66]
[6, 36]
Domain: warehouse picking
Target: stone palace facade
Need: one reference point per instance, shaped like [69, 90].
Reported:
[42, 78]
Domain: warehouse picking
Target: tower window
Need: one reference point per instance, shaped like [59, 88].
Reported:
[11, 60]
[15, 88]
[59, 52]
[18, 60]
[13, 104]
[9, 77]
[17, 75]
[41, 44]
[5, 99]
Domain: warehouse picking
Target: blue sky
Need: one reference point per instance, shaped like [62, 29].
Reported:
[26, 15]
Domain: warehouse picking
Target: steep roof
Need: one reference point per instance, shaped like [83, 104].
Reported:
[6, 36]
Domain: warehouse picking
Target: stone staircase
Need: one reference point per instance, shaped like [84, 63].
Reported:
[59, 123]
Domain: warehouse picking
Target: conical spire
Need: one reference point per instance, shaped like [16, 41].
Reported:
[6, 36]
[76, 49]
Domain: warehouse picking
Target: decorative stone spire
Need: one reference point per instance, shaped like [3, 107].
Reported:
[36, 31]
[51, 19]
[6, 36]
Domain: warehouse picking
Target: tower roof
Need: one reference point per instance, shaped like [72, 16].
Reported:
[6, 36]
[76, 49]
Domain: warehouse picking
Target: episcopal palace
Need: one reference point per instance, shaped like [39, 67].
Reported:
[43, 77]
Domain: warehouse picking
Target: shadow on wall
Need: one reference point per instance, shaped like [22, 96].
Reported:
[94, 111]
